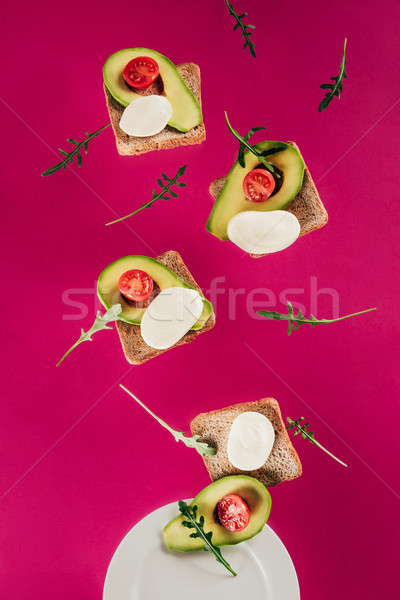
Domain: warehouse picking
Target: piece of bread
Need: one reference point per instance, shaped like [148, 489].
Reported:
[283, 463]
[168, 137]
[306, 206]
[135, 348]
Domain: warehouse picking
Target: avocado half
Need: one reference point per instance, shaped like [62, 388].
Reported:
[254, 493]
[232, 200]
[109, 294]
[186, 111]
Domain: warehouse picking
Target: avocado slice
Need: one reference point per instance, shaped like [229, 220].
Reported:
[254, 493]
[232, 200]
[109, 294]
[186, 111]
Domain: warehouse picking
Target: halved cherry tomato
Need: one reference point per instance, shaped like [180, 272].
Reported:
[233, 513]
[258, 185]
[141, 72]
[135, 285]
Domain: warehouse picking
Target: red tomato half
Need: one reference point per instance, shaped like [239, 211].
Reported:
[135, 285]
[233, 513]
[140, 72]
[258, 185]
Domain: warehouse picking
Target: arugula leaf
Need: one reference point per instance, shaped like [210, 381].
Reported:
[100, 323]
[69, 156]
[199, 532]
[309, 435]
[162, 194]
[244, 143]
[191, 442]
[295, 321]
[335, 88]
[239, 23]
[246, 138]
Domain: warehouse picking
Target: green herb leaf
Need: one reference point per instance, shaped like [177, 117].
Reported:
[336, 88]
[162, 194]
[191, 442]
[69, 156]
[308, 435]
[295, 321]
[100, 323]
[239, 23]
[246, 138]
[244, 143]
[198, 526]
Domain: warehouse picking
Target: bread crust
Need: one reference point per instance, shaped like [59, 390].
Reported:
[213, 428]
[307, 206]
[135, 348]
[167, 138]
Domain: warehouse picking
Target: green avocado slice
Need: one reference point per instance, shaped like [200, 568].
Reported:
[186, 111]
[254, 493]
[232, 200]
[109, 294]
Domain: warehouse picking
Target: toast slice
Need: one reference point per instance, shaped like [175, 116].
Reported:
[283, 463]
[168, 137]
[306, 206]
[135, 348]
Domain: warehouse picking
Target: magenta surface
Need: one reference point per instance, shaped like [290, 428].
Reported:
[81, 462]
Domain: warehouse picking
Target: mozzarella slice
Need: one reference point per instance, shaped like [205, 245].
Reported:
[171, 314]
[263, 232]
[250, 441]
[146, 116]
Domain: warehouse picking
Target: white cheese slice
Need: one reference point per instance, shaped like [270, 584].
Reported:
[263, 232]
[146, 116]
[171, 314]
[250, 441]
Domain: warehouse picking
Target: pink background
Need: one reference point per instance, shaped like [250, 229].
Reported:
[81, 462]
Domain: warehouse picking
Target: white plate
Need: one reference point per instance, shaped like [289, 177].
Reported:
[142, 567]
